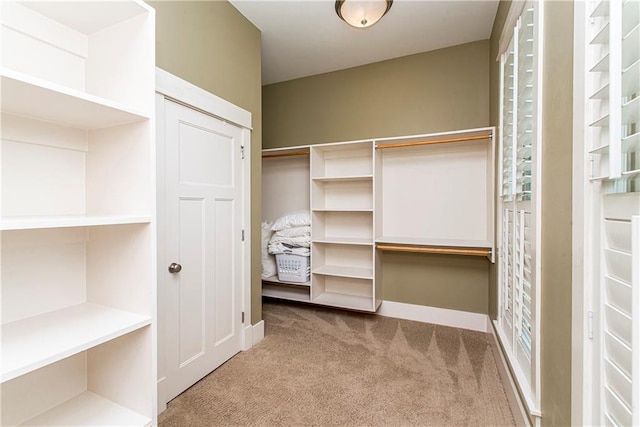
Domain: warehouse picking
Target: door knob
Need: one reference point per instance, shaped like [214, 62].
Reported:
[174, 267]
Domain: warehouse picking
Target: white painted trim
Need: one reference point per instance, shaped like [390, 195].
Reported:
[162, 395]
[253, 334]
[520, 378]
[172, 88]
[515, 10]
[508, 382]
[186, 93]
[438, 316]
[258, 332]
[580, 353]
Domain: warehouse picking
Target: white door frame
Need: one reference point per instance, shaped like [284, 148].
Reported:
[173, 88]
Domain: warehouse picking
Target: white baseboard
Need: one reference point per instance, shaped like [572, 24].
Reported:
[162, 395]
[508, 382]
[258, 332]
[253, 334]
[439, 316]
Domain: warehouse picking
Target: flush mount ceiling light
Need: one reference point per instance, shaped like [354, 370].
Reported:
[362, 13]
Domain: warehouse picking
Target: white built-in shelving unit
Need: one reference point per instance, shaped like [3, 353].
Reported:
[78, 213]
[426, 193]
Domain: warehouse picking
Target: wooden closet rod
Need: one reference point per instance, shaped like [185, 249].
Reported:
[435, 141]
[292, 153]
[435, 250]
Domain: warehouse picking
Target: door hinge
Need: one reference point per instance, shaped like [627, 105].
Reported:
[243, 235]
[590, 324]
[243, 317]
[242, 151]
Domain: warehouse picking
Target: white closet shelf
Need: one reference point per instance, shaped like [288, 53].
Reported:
[64, 221]
[342, 210]
[274, 279]
[59, 104]
[286, 293]
[88, 18]
[38, 341]
[363, 241]
[445, 243]
[344, 178]
[341, 271]
[335, 299]
[89, 409]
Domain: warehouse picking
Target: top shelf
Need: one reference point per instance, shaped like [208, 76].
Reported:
[343, 178]
[88, 17]
[444, 243]
[61, 105]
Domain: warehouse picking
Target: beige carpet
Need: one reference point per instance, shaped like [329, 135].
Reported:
[324, 367]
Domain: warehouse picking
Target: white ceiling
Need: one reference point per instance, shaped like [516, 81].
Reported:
[305, 37]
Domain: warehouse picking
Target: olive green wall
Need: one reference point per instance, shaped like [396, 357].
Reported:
[556, 193]
[442, 90]
[557, 143]
[210, 44]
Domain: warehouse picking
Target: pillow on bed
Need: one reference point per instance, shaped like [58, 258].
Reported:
[292, 219]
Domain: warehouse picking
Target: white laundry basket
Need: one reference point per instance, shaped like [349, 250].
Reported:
[293, 268]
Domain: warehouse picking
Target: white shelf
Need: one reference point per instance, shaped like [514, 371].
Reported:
[32, 97]
[62, 221]
[340, 271]
[38, 341]
[354, 302]
[343, 241]
[89, 409]
[344, 178]
[90, 17]
[445, 243]
[274, 279]
[286, 293]
[342, 210]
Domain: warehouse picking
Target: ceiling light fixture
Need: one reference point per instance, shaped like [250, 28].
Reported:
[362, 13]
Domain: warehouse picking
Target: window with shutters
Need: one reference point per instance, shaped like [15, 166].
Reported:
[517, 322]
[610, 59]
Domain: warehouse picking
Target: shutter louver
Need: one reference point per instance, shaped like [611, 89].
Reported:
[613, 29]
[520, 147]
[524, 105]
[619, 307]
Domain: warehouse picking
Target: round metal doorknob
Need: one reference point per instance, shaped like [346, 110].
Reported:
[175, 268]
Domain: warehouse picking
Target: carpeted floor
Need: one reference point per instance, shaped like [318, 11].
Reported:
[323, 367]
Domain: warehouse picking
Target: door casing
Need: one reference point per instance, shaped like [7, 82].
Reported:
[173, 89]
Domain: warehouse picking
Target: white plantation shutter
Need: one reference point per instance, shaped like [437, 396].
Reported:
[612, 111]
[517, 323]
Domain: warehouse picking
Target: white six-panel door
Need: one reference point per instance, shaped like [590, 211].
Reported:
[203, 310]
